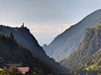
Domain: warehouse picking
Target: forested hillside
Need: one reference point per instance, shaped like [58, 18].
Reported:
[89, 46]
[93, 63]
[12, 52]
[23, 36]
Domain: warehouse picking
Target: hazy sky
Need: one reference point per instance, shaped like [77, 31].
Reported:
[45, 18]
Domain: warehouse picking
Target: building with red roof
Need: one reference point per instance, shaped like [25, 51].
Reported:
[24, 70]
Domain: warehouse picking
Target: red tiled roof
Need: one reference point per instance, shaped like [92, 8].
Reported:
[23, 69]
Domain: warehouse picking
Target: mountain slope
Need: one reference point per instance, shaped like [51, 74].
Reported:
[23, 36]
[12, 52]
[94, 62]
[90, 45]
[64, 44]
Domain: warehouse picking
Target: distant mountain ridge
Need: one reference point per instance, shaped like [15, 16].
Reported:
[88, 47]
[64, 44]
[23, 36]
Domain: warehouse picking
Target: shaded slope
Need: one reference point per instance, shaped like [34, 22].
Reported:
[13, 53]
[2, 60]
[90, 45]
[65, 43]
[24, 36]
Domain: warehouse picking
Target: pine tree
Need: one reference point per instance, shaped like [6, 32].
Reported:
[87, 73]
[98, 73]
[76, 73]
[11, 36]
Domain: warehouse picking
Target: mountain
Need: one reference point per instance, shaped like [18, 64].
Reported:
[89, 46]
[64, 44]
[23, 36]
[93, 62]
[12, 52]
